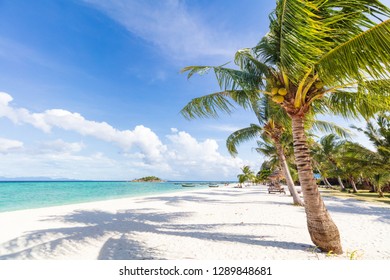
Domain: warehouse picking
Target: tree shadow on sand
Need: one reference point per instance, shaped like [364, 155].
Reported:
[357, 207]
[211, 198]
[116, 231]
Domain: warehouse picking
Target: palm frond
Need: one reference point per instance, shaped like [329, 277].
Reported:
[304, 32]
[269, 151]
[379, 87]
[267, 50]
[271, 110]
[329, 127]
[208, 106]
[247, 62]
[355, 104]
[301, 33]
[228, 79]
[330, 145]
[242, 135]
[365, 55]
[349, 18]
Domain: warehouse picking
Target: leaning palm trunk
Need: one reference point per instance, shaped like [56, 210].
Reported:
[341, 183]
[290, 182]
[323, 231]
[354, 185]
[327, 183]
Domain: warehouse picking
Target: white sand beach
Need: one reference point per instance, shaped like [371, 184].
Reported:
[209, 224]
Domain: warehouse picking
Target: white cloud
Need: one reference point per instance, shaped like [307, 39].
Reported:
[20, 115]
[62, 147]
[170, 26]
[181, 156]
[8, 145]
[190, 156]
[141, 137]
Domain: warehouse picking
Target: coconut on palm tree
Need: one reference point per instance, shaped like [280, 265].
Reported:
[318, 55]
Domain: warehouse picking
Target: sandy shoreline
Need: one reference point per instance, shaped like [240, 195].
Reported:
[217, 223]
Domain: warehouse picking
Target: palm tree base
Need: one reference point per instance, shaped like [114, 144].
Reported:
[325, 235]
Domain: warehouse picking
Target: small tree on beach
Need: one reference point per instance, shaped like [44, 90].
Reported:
[329, 56]
[247, 175]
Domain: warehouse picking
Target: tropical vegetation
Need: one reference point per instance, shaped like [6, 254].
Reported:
[355, 164]
[319, 56]
[148, 179]
[271, 129]
[247, 175]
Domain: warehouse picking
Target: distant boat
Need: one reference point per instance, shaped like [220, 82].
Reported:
[213, 186]
[187, 185]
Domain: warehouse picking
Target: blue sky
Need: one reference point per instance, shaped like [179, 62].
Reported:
[91, 89]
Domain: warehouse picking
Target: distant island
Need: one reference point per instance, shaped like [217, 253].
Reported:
[148, 179]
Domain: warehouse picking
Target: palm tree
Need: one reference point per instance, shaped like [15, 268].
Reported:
[318, 55]
[351, 162]
[327, 52]
[247, 175]
[265, 171]
[269, 150]
[271, 130]
[379, 161]
[275, 129]
[325, 156]
[241, 178]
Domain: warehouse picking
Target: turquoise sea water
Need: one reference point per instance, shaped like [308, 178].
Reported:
[26, 195]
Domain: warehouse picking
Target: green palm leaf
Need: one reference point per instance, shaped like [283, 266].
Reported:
[302, 36]
[354, 104]
[267, 50]
[366, 55]
[381, 88]
[303, 32]
[212, 104]
[269, 151]
[246, 61]
[228, 79]
[330, 127]
[242, 135]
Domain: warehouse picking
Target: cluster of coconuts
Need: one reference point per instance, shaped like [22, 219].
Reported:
[278, 94]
